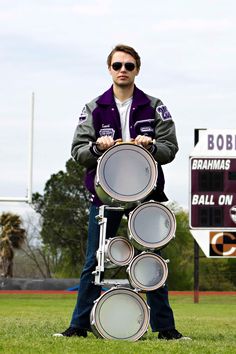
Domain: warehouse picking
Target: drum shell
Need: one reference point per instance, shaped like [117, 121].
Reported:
[124, 247]
[120, 158]
[99, 329]
[144, 233]
[136, 275]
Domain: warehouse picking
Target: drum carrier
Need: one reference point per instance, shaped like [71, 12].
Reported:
[121, 312]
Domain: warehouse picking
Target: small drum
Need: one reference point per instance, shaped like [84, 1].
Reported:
[126, 174]
[118, 252]
[151, 225]
[147, 271]
[120, 313]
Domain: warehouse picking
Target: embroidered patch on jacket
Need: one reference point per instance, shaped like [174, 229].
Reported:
[146, 130]
[83, 116]
[164, 113]
[107, 132]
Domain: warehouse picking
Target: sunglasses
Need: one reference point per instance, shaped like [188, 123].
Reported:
[118, 65]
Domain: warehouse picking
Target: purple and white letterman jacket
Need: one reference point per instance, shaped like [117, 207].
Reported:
[148, 116]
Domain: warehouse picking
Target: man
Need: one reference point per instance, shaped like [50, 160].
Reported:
[122, 113]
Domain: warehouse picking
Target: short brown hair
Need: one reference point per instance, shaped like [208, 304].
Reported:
[126, 49]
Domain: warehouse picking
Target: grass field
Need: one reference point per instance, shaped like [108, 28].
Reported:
[28, 321]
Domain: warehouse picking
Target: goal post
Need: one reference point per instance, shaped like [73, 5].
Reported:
[28, 198]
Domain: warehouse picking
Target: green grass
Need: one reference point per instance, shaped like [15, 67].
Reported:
[28, 321]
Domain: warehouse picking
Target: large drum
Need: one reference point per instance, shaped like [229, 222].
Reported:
[126, 174]
[151, 225]
[147, 272]
[118, 252]
[120, 313]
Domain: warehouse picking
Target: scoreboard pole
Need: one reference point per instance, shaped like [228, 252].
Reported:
[196, 272]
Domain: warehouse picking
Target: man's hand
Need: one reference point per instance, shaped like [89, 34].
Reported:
[105, 142]
[143, 140]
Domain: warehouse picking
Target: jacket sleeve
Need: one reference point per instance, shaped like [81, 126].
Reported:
[166, 145]
[84, 136]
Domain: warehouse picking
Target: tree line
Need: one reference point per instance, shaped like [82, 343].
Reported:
[63, 210]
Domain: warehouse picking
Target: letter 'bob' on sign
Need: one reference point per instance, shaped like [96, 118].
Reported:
[216, 143]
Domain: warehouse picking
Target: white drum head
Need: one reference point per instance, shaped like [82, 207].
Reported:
[148, 272]
[120, 251]
[120, 314]
[126, 173]
[152, 225]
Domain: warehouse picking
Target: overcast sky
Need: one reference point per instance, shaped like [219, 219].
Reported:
[58, 49]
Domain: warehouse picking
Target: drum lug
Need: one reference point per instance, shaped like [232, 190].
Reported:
[131, 213]
[137, 290]
[166, 261]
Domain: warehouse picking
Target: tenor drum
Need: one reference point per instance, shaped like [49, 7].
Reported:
[118, 252]
[120, 313]
[147, 271]
[151, 225]
[126, 174]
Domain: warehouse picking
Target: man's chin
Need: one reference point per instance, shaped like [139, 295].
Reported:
[124, 84]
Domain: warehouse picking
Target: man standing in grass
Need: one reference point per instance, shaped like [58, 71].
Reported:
[123, 112]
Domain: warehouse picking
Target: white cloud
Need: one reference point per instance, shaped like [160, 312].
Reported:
[195, 24]
[58, 49]
[89, 8]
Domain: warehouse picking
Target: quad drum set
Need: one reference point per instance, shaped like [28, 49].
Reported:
[126, 174]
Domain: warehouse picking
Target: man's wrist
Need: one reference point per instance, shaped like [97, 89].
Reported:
[151, 148]
[95, 151]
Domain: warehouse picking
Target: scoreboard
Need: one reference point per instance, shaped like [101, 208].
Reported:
[212, 192]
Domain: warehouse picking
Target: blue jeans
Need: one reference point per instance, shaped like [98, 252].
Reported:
[161, 315]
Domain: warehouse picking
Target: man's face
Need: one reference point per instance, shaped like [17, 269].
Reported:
[123, 77]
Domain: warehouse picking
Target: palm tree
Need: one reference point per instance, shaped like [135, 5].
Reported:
[12, 236]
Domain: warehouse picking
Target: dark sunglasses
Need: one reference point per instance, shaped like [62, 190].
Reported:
[118, 65]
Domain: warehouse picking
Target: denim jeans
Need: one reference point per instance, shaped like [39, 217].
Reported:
[161, 315]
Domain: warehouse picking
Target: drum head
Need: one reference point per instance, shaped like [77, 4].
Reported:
[120, 314]
[120, 251]
[148, 271]
[152, 225]
[127, 172]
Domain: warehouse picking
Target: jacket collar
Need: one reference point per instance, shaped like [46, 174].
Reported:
[139, 98]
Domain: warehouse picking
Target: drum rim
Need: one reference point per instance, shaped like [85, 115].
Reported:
[139, 196]
[146, 314]
[143, 243]
[131, 256]
[136, 283]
